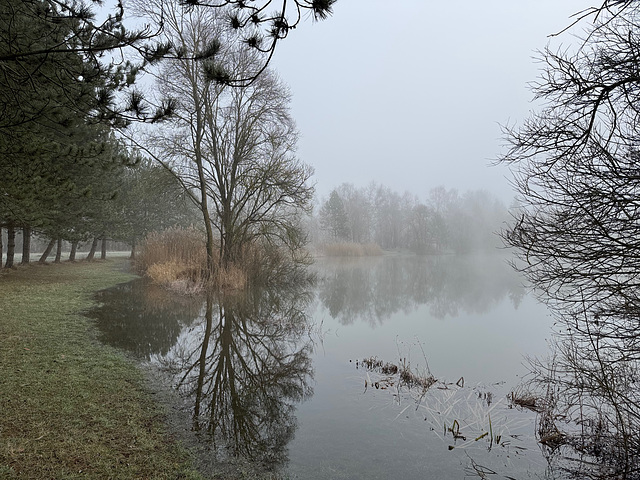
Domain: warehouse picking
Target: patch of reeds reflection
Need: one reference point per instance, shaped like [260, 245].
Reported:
[588, 397]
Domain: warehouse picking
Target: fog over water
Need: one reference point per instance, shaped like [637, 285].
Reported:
[273, 377]
[412, 94]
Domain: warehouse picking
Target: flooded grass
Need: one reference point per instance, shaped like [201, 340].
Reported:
[523, 398]
[460, 416]
[403, 370]
[71, 407]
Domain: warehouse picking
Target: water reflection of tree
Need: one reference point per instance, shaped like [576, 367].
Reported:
[374, 289]
[244, 366]
[589, 403]
[143, 319]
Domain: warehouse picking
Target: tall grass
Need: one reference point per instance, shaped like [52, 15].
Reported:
[177, 259]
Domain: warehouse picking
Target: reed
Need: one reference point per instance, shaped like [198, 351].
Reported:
[467, 415]
[172, 247]
[523, 398]
[176, 259]
[232, 277]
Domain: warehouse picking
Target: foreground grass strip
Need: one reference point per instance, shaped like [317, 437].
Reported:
[69, 406]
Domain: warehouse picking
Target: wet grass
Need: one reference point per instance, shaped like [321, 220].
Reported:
[71, 407]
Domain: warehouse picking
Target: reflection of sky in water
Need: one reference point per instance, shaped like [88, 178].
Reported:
[481, 347]
[470, 313]
[472, 319]
[467, 315]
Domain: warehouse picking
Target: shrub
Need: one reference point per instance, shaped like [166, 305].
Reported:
[176, 258]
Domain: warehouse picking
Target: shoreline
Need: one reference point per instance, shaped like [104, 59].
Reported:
[73, 407]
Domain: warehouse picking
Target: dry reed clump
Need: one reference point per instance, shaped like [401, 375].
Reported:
[375, 364]
[175, 258]
[524, 399]
[403, 370]
[164, 273]
[184, 246]
[348, 249]
[230, 278]
[412, 380]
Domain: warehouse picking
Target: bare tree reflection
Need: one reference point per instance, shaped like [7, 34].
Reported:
[589, 391]
[244, 365]
[375, 289]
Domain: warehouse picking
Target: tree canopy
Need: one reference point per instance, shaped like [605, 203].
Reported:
[575, 168]
[233, 148]
[446, 221]
[66, 80]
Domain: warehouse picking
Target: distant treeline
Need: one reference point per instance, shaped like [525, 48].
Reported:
[446, 221]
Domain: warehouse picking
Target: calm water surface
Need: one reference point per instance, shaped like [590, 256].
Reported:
[275, 377]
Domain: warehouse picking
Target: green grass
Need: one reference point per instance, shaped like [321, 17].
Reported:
[71, 407]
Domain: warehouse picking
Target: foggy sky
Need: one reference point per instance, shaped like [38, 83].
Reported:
[412, 93]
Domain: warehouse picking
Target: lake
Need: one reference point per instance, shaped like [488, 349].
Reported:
[290, 381]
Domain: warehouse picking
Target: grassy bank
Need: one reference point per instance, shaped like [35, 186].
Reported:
[69, 406]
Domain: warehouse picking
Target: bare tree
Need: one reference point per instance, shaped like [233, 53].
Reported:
[232, 147]
[575, 169]
[576, 230]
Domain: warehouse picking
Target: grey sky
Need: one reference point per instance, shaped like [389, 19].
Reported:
[411, 93]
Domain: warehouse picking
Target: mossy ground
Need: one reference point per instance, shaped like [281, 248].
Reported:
[71, 407]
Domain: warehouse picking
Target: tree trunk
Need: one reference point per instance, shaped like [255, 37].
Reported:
[26, 245]
[202, 182]
[58, 251]
[72, 253]
[133, 250]
[1, 246]
[92, 252]
[47, 251]
[226, 241]
[103, 250]
[211, 261]
[11, 245]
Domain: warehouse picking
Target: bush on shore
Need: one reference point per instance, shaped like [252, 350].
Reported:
[176, 259]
